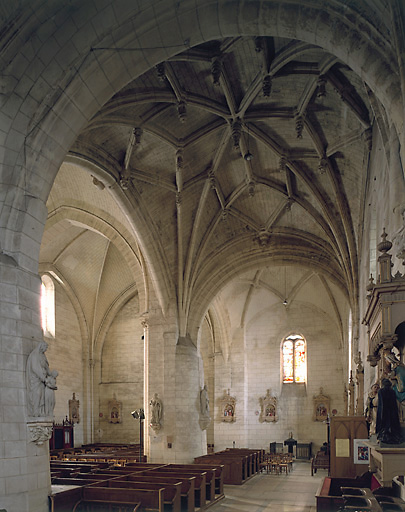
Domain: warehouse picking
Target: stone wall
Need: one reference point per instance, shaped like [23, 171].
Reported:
[65, 354]
[121, 376]
[255, 366]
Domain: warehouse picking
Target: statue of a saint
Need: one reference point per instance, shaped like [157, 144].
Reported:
[204, 402]
[156, 410]
[398, 373]
[398, 239]
[388, 427]
[50, 387]
[371, 408]
[37, 372]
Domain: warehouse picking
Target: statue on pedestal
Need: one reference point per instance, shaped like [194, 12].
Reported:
[398, 376]
[204, 408]
[388, 428]
[371, 408]
[41, 383]
[156, 409]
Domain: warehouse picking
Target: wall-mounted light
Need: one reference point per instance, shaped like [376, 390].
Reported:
[138, 414]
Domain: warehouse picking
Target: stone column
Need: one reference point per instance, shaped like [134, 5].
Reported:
[174, 375]
[24, 469]
[189, 440]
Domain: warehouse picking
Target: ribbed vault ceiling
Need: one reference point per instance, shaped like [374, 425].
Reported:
[233, 146]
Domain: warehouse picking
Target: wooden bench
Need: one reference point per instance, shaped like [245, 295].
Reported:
[171, 491]
[233, 471]
[64, 500]
[74, 481]
[329, 495]
[187, 490]
[255, 457]
[320, 461]
[218, 473]
[210, 476]
[200, 482]
[151, 499]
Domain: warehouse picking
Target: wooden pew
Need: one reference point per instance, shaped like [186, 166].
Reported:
[151, 499]
[219, 475]
[200, 482]
[171, 491]
[210, 477]
[233, 472]
[81, 482]
[244, 459]
[187, 486]
[257, 456]
[64, 500]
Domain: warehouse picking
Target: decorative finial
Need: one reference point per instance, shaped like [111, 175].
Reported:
[385, 245]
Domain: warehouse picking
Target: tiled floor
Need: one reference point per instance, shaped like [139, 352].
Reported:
[294, 492]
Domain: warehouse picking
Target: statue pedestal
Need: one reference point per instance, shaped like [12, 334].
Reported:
[387, 462]
[40, 430]
[204, 422]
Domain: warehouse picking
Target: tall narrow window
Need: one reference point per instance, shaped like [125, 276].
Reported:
[294, 359]
[48, 306]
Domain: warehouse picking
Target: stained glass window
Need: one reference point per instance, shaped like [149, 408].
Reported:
[294, 359]
[288, 361]
[48, 306]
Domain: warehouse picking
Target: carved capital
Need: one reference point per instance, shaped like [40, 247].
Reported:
[40, 432]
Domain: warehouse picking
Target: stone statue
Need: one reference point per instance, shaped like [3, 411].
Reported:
[371, 408]
[156, 410]
[74, 404]
[398, 239]
[398, 373]
[204, 402]
[388, 427]
[37, 372]
[50, 387]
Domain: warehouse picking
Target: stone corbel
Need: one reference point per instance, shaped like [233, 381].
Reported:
[40, 431]
[373, 359]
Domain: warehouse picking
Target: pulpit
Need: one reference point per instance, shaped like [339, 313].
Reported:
[290, 442]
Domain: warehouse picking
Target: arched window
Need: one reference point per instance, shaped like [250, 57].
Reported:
[48, 306]
[294, 359]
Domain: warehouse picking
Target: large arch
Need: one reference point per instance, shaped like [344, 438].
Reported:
[102, 65]
[57, 80]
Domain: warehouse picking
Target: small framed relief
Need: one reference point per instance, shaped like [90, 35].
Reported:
[228, 405]
[321, 406]
[114, 411]
[268, 406]
[74, 415]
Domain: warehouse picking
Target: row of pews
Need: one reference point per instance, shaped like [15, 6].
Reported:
[239, 464]
[84, 485]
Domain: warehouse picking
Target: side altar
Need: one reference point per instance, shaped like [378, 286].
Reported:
[385, 319]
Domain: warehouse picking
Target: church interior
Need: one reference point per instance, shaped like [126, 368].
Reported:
[202, 216]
